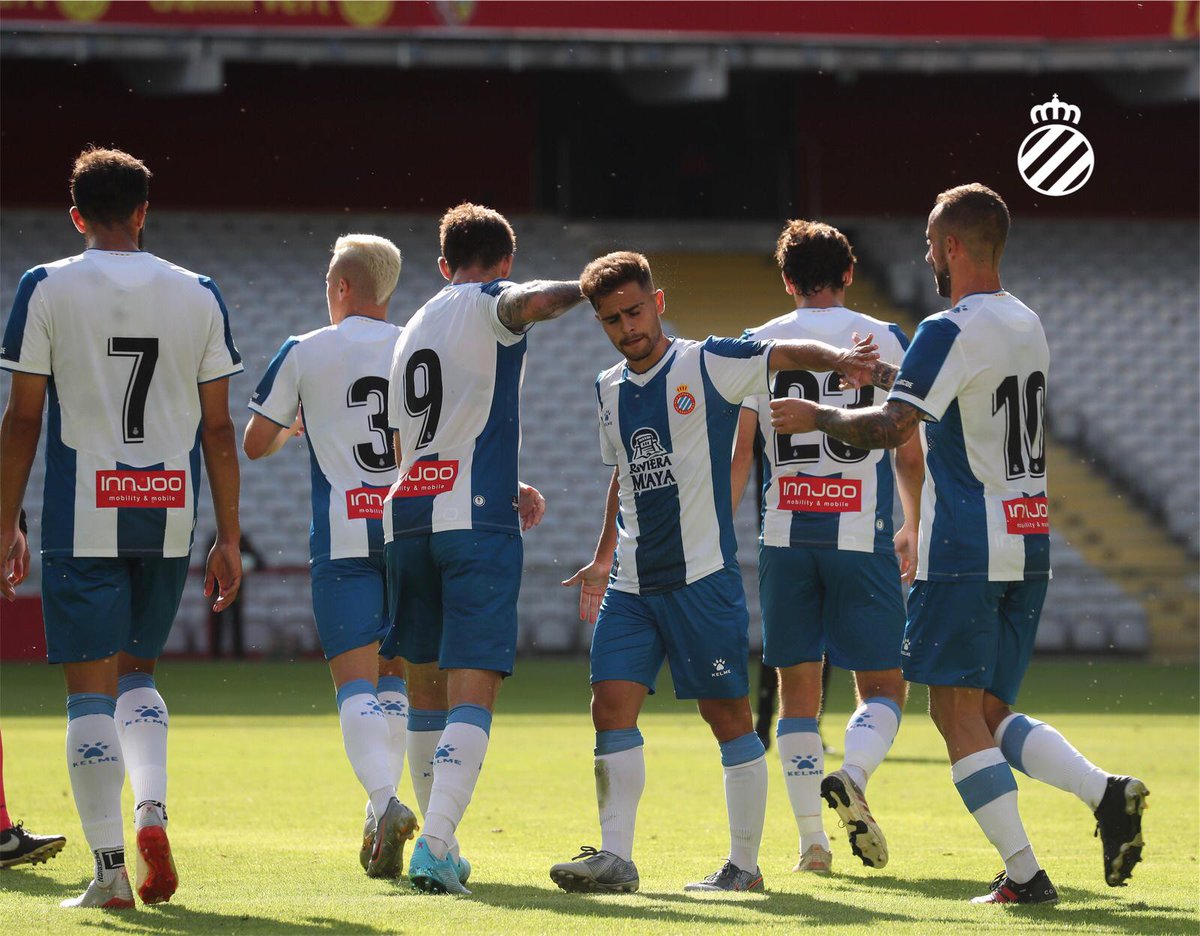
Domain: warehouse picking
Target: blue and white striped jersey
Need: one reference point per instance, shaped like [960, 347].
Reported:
[817, 490]
[978, 373]
[126, 339]
[455, 399]
[339, 376]
[669, 432]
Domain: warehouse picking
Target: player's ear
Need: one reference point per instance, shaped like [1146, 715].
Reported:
[848, 276]
[787, 284]
[444, 267]
[139, 215]
[506, 266]
[660, 301]
[77, 220]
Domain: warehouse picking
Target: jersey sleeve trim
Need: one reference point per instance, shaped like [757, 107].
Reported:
[208, 284]
[915, 402]
[229, 373]
[255, 408]
[14, 334]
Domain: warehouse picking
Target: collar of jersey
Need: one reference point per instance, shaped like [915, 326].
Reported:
[642, 379]
[983, 292]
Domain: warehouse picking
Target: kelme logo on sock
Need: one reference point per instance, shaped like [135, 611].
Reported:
[93, 752]
[443, 755]
[804, 765]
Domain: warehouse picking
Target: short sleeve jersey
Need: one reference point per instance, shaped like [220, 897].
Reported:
[978, 374]
[817, 490]
[126, 339]
[669, 433]
[338, 375]
[455, 399]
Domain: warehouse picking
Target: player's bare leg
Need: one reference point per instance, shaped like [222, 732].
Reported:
[985, 782]
[367, 740]
[97, 771]
[869, 735]
[744, 759]
[620, 769]
[1117, 802]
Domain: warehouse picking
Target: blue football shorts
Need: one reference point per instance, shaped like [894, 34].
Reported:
[701, 630]
[95, 607]
[452, 599]
[349, 599]
[817, 600]
[974, 634]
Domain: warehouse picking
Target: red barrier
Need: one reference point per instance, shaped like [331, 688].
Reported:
[22, 636]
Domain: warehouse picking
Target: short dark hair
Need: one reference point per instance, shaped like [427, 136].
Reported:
[108, 185]
[608, 273]
[814, 256]
[979, 216]
[472, 235]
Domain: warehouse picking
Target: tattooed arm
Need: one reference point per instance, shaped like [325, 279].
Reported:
[886, 426]
[883, 374]
[521, 306]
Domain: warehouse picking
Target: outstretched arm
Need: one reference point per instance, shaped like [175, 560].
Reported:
[887, 426]
[855, 364]
[522, 305]
[593, 577]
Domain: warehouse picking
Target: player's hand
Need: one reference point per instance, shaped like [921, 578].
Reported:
[224, 570]
[531, 506]
[789, 415]
[14, 548]
[905, 543]
[593, 580]
[857, 364]
[297, 427]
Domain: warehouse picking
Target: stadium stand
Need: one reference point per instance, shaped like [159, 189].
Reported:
[270, 268]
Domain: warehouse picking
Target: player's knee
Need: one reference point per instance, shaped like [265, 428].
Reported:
[995, 710]
[800, 691]
[613, 706]
[888, 684]
[728, 718]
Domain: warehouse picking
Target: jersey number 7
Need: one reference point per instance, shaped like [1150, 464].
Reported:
[144, 352]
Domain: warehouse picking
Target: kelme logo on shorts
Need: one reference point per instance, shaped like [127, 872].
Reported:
[1026, 515]
[141, 489]
[365, 503]
[427, 478]
[820, 495]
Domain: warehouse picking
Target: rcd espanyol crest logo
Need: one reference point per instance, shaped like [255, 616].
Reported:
[1056, 158]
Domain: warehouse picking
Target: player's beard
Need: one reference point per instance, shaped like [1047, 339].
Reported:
[941, 279]
[652, 343]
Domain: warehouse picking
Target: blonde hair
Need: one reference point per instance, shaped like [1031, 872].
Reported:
[372, 261]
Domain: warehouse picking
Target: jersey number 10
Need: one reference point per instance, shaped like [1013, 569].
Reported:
[1032, 441]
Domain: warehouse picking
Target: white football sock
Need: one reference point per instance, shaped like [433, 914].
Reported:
[456, 766]
[803, 757]
[869, 736]
[620, 780]
[987, 787]
[425, 727]
[1039, 751]
[745, 763]
[365, 735]
[97, 772]
[393, 699]
[142, 721]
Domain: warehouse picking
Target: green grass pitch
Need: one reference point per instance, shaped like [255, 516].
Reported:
[265, 816]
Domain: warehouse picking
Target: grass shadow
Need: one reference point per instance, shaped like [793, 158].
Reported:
[174, 918]
[26, 880]
[1076, 906]
[680, 908]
